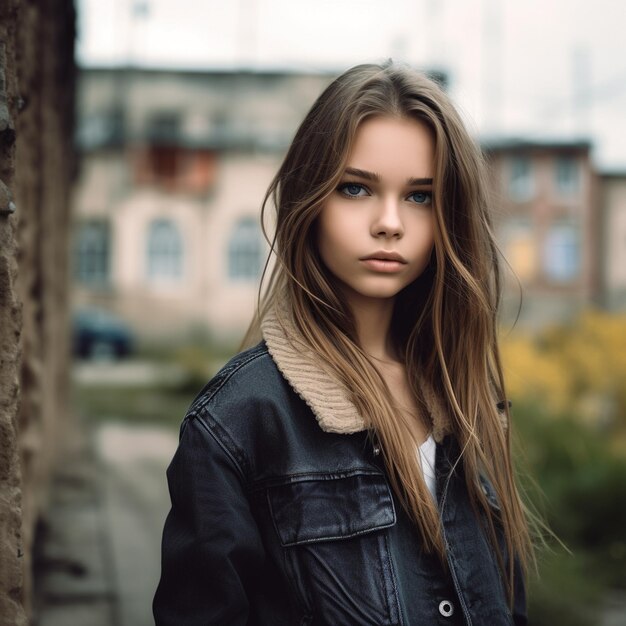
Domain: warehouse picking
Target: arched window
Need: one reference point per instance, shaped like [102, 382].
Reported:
[165, 251]
[92, 252]
[245, 250]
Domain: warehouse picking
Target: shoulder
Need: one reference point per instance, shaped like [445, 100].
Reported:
[249, 402]
[251, 412]
[246, 375]
[240, 407]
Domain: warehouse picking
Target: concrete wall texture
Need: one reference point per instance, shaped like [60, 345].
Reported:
[36, 169]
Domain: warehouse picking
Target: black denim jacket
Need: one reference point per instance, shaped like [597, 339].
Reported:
[276, 522]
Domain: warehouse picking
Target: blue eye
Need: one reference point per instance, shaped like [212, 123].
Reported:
[352, 190]
[422, 197]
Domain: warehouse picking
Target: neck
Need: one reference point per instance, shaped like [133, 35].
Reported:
[373, 320]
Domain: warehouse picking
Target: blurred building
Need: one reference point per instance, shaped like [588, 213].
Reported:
[547, 224]
[174, 168]
[175, 165]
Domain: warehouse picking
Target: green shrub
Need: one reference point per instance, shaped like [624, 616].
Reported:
[583, 488]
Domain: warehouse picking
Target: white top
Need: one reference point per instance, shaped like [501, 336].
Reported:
[427, 459]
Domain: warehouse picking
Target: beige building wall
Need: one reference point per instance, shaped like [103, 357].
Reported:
[204, 295]
[244, 121]
[229, 304]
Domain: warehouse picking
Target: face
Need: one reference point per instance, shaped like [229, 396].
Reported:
[375, 233]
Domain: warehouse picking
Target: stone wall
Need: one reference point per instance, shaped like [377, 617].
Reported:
[36, 169]
[10, 494]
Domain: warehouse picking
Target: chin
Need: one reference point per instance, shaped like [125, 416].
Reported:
[383, 293]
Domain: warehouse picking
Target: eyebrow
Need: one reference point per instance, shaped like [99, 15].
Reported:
[376, 177]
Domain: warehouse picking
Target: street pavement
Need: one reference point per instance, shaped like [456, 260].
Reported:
[98, 560]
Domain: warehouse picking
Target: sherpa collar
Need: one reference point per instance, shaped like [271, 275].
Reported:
[313, 381]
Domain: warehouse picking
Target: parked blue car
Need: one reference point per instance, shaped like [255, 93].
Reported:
[99, 334]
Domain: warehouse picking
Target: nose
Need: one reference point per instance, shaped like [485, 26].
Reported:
[387, 221]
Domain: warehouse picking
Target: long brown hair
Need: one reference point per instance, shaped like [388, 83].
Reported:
[445, 323]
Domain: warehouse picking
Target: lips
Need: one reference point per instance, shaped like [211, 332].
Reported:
[383, 255]
[383, 262]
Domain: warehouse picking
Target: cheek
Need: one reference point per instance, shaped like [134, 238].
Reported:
[421, 230]
[331, 229]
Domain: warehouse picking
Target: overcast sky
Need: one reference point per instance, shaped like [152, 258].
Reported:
[544, 68]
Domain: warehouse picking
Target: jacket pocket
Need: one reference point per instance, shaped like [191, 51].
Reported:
[332, 532]
[331, 508]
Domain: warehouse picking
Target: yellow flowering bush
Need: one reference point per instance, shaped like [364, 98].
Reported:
[532, 374]
[578, 369]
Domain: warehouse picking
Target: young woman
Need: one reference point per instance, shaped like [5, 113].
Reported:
[354, 467]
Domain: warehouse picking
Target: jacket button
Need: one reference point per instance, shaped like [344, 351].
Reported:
[376, 450]
[446, 608]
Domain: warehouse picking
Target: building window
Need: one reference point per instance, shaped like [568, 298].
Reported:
[163, 128]
[164, 147]
[93, 252]
[165, 251]
[520, 179]
[245, 250]
[171, 160]
[519, 247]
[562, 252]
[567, 175]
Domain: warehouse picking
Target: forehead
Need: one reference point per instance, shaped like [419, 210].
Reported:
[393, 148]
